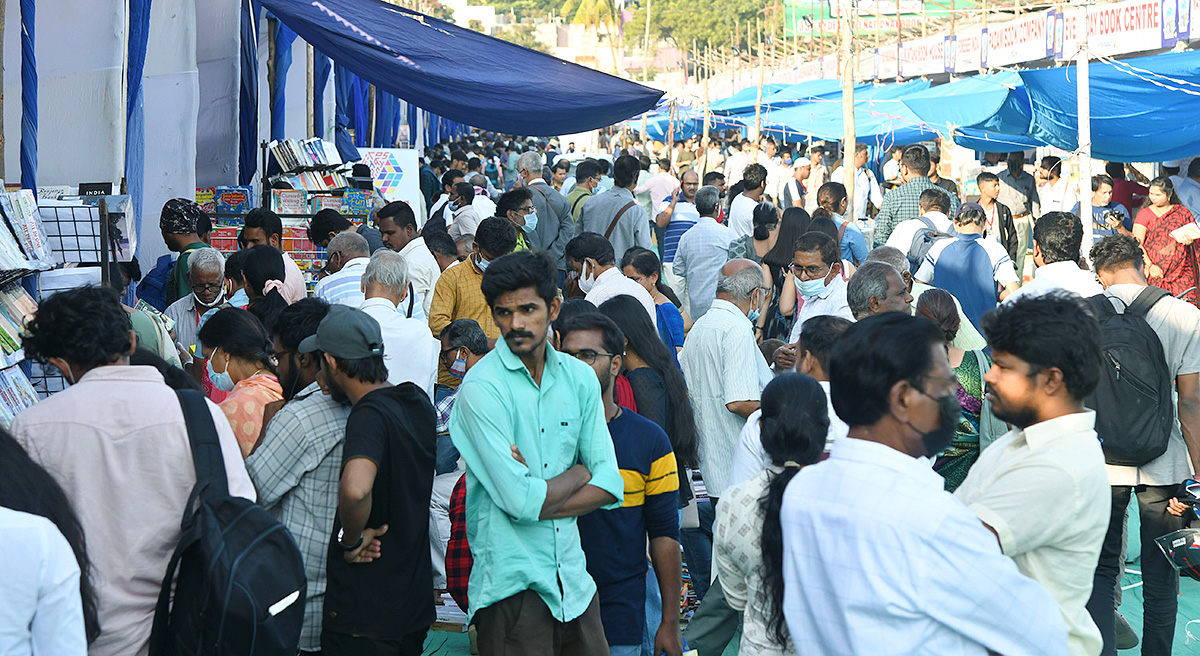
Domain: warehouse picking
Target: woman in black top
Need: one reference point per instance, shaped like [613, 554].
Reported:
[658, 385]
[777, 270]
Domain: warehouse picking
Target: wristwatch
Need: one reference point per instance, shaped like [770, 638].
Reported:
[351, 547]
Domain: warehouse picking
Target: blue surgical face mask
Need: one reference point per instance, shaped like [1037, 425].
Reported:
[753, 316]
[459, 368]
[531, 221]
[811, 287]
[481, 263]
[222, 381]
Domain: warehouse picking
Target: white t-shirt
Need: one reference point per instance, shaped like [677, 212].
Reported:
[902, 235]
[1003, 270]
[741, 215]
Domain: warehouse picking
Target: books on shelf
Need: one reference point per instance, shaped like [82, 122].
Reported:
[20, 209]
[295, 154]
[314, 180]
[16, 394]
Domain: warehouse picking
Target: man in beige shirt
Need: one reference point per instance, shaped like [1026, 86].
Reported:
[116, 441]
[1042, 488]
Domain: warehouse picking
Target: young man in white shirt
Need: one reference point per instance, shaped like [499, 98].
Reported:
[817, 270]
[866, 186]
[934, 204]
[900, 566]
[592, 256]
[1057, 239]
[741, 210]
[1056, 193]
[1042, 488]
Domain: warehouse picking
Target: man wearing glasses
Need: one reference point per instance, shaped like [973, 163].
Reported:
[816, 275]
[206, 278]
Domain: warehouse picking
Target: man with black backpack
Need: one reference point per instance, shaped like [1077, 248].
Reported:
[117, 442]
[1151, 349]
[379, 598]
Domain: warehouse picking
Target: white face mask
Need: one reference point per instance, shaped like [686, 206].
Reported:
[588, 280]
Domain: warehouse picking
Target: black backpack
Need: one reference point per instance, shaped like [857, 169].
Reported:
[1134, 412]
[241, 584]
[923, 239]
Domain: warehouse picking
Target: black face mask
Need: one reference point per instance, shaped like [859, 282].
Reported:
[949, 410]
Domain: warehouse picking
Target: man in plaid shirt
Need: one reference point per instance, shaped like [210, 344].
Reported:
[463, 344]
[297, 465]
[904, 202]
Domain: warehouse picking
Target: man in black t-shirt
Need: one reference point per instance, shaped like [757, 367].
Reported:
[379, 598]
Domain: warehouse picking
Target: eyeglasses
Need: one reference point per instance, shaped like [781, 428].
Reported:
[810, 272]
[212, 288]
[525, 210]
[588, 356]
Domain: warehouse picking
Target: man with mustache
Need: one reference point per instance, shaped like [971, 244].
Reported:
[521, 517]
[1042, 488]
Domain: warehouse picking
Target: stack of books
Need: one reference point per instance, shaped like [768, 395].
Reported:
[21, 212]
[295, 155]
[17, 307]
[16, 394]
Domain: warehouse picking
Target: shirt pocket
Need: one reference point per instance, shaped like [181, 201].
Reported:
[567, 421]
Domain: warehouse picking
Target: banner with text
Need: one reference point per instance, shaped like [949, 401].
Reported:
[923, 56]
[1022, 40]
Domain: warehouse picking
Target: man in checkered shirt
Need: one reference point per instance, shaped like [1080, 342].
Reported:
[904, 202]
[297, 465]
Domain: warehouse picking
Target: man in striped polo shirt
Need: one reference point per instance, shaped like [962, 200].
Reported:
[676, 214]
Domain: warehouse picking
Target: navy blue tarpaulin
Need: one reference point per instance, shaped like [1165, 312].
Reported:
[418, 58]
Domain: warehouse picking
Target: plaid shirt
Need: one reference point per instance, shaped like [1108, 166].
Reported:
[903, 203]
[443, 408]
[458, 552]
[296, 470]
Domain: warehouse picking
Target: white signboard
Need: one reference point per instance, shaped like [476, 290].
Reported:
[1023, 40]
[397, 174]
[1132, 26]
[923, 56]
[887, 66]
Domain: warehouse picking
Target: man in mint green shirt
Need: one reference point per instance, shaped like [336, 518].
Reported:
[529, 422]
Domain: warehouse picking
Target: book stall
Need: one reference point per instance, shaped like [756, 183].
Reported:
[308, 176]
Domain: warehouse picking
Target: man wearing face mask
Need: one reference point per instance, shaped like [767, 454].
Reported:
[458, 294]
[206, 278]
[592, 257]
[894, 563]
[1042, 488]
[816, 273]
[295, 468]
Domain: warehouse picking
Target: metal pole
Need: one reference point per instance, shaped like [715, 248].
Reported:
[105, 278]
[312, 99]
[848, 74]
[1083, 92]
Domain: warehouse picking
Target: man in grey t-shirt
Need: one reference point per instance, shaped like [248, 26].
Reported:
[1118, 265]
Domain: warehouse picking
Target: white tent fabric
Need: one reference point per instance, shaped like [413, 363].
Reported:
[217, 62]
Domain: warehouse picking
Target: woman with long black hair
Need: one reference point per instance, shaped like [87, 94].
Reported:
[643, 267]
[747, 536]
[658, 385]
[777, 274]
[264, 272]
[235, 342]
[56, 613]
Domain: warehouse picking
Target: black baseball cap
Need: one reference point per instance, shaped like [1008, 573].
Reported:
[347, 333]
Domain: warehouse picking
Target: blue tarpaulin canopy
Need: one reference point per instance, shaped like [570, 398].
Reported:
[794, 94]
[506, 88]
[983, 112]
[878, 114]
[743, 100]
[1133, 118]
[689, 122]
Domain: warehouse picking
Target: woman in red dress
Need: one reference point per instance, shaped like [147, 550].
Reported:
[1170, 261]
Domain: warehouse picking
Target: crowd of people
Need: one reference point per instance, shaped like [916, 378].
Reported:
[860, 434]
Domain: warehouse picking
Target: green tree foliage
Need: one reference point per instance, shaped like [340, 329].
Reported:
[705, 21]
[523, 34]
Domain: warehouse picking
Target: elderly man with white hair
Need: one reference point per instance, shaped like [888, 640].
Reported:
[410, 352]
[206, 277]
[555, 226]
[346, 258]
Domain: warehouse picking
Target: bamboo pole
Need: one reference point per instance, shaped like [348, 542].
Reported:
[646, 47]
[848, 137]
[758, 95]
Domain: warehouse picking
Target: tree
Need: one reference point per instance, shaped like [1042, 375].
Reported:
[704, 21]
[523, 34]
[597, 15]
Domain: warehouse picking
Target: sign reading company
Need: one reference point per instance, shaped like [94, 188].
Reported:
[1022, 40]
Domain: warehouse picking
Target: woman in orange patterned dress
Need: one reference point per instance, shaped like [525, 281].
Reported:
[241, 361]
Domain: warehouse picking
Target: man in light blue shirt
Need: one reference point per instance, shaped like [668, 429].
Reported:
[702, 251]
[529, 423]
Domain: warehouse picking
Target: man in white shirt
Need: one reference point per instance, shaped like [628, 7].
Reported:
[591, 255]
[1057, 194]
[817, 267]
[409, 351]
[793, 192]
[347, 258]
[398, 225]
[820, 334]
[441, 209]
[899, 566]
[1057, 239]
[818, 176]
[739, 159]
[1118, 262]
[741, 210]
[1042, 488]
[934, 204]
[866, 187]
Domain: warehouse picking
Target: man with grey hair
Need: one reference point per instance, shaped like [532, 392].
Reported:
[718, 360]
[482, 202]
[701, 252]
[409, 351]
[346, 259]
[206, 278]
[554, 225]
[877, 287]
